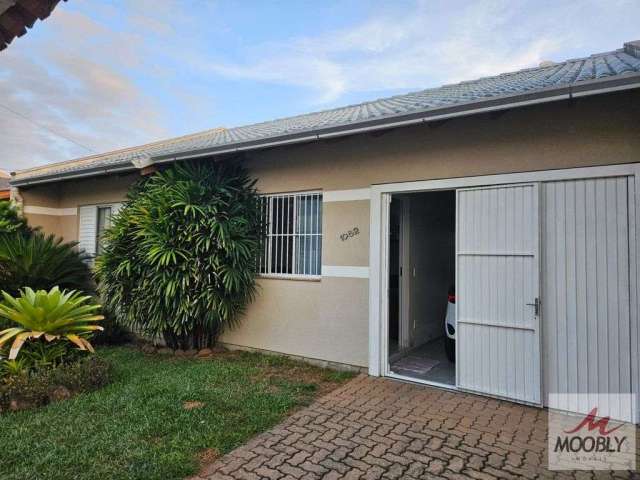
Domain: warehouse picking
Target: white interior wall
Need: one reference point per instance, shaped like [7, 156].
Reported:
[432, 259]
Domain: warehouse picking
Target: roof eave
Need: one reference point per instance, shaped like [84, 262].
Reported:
[549, 94]
[546, 95]
[62, 176]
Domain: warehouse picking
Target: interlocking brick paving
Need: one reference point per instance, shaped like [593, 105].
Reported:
[379, 428]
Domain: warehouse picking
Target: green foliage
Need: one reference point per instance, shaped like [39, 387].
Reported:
[41, 261]
[180, 258]
[113, 333]
[4, 323]
[38, 355]
[85, 374]
[137, 428]
[12, 368]
[10, 219]
[51, 315]
[42, 354]
[32, 390]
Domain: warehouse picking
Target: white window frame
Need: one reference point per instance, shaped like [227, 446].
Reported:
[112, 212]
[92, 242]
[268, 254]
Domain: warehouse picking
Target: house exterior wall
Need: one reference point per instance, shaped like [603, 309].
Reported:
[328, 319]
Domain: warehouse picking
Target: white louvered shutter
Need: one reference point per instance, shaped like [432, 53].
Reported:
[87, 229]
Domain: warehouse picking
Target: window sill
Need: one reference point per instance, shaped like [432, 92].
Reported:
[299, 278]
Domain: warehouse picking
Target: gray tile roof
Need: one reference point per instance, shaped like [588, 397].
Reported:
[549, 79]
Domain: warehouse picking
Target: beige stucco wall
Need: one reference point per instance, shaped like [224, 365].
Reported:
[328, 319]
[316, 319]
[339, 218]
[593, 131]
[96, 190]
[70, 195]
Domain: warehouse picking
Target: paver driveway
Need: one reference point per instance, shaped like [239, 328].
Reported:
[380, 428]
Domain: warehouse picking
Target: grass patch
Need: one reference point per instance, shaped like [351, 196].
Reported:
[138, 427]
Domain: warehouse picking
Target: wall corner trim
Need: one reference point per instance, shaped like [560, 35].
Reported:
[345, 271]
[346, 195]
[35, 210]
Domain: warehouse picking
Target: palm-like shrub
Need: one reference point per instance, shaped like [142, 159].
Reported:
[180, 258]
[10, 220]
[51, 315]
[41, 262]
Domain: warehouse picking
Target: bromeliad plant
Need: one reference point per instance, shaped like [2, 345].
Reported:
[180, 258]
[52, 315]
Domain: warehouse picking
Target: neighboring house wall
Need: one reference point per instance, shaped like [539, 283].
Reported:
[328, 319]
[5, 189]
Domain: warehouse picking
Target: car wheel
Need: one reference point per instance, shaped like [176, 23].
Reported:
[450, 349]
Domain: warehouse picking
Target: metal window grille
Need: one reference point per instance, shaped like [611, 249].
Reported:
[293, 240]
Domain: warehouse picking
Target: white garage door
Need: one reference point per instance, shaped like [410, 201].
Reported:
[498, 343]
[586, 290]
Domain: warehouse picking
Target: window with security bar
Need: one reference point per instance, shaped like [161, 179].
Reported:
[293, 241]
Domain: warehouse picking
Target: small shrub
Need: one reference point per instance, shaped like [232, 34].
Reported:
[51, 315]
[14, 368]
[27, 391]
[88, 373]
[41, 262]
[41, 354]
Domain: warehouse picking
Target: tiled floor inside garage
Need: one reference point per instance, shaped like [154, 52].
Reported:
[427, 362]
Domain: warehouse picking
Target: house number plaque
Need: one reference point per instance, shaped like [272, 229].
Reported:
[350, 234]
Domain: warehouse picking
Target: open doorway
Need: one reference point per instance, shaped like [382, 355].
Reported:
[422, 286]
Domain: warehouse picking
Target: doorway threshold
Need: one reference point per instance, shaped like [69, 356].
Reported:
[418, 381]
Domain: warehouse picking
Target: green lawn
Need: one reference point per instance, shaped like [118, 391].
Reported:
[137, 427]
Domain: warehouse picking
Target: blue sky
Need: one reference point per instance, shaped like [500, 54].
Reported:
[112, 74]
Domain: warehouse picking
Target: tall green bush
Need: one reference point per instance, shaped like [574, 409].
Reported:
[180, 258]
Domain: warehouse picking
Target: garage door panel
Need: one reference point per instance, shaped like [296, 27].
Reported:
[498, 346]
[490, 220]
[586, 288]
[502, 302]
[484, 360]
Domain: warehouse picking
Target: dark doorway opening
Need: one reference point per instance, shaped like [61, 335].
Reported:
[422, 286]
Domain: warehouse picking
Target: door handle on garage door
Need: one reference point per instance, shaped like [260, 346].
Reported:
[536, 306]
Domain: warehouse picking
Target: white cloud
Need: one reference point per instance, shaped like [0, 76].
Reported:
[67, 88]
[427, 45]
[124, 78]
